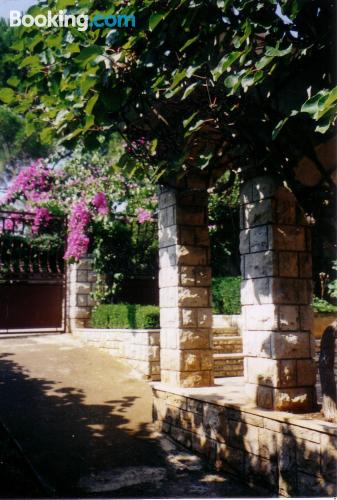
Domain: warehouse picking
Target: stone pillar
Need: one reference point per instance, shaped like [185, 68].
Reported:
[276, 295]
[80, 284]
[184, 283]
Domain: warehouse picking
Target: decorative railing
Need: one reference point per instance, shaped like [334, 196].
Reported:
[27, 249]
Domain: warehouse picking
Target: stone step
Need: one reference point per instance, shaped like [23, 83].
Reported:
[227, 344]
[226, 321]
[228, 365]
[221, 332]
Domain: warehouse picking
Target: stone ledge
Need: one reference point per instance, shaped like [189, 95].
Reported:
[139, 348]
[231, 394]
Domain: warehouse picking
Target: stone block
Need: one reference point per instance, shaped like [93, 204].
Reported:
[167, 198]
[191, 215]
[195, 379]
[182, 436]
[288, 264]
[191, 421]
[79, 312]
[298, 399]
[260, 265]
[171, 359]
[92, 277]
[167, 257]
[306, 372]
[176, 400]
[287, 238]
[215, 422]
[189, 317]
[168, 236]
[246, 193]
[257, 291]
[203, 276]
[169, 317]
[187, 275]
[260, 317]
[83, 288]
[169, 276]
[193, 297]
[328, 453]
[290, 291]
[305, 265]
[194, 339]
[82, 300]
[169, 338]
[230, 459]
[263, 187]
[192, 256]
[261, 472]
[306, 318]
[289, 318]
[82, 276]
[268, 441]
[243, 436]
[286, 206]
[257, 343]
[167, 217]
[258, 239]
[168, 297]
[197, 236]
[244, 241]
[259, 213]
[308, 456]
[315, 486]
[195, 406]
[290, 345]
[204, 316]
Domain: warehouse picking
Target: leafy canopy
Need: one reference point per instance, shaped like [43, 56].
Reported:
[207, 84]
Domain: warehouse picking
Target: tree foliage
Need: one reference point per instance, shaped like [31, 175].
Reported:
[210, 84]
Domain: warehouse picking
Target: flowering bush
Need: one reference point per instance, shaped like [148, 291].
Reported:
[88, 190]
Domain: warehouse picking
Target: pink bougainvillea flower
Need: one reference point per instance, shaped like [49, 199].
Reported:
[143, 215]
[78, 241]
[41, 218]
[100, 203]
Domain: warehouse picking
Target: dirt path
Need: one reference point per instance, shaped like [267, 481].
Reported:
[84, 422]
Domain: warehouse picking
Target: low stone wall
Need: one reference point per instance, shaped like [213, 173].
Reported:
[290, 455]
[139, 348]
[321, 321]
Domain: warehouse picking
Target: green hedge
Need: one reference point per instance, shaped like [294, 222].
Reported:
[125, 316]
[323, 306]
[226, 295]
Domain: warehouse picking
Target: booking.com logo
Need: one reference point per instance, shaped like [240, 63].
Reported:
[63, 20]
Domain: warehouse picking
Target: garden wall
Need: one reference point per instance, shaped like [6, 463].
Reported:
[290, 455]
[139, 348]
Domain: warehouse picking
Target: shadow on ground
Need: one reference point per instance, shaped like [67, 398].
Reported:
[95, 446]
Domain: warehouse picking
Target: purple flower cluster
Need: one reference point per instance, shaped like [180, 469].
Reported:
[100, 202]
[143, 215]
[78, 241]
[41, 218]
[33, 182]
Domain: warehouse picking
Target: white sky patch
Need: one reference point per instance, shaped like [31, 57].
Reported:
[21, 5]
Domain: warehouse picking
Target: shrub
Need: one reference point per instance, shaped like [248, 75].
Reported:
[323, 306]
[125, 316]
[226, 295]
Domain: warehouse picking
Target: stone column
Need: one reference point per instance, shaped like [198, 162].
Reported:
[276, 295]
[184, 283]
[81, 281]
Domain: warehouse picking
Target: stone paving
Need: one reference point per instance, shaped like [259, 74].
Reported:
[84, 421]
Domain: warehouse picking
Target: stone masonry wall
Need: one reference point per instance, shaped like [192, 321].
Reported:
[139, 348]
[279, 451]
[276, 295]
[81, 281]
[184, 282]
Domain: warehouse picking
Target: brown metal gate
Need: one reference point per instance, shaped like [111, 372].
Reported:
[32, 273]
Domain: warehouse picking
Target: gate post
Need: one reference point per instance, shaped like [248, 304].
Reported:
[276, 296]
[81, 281]
[184, 283]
